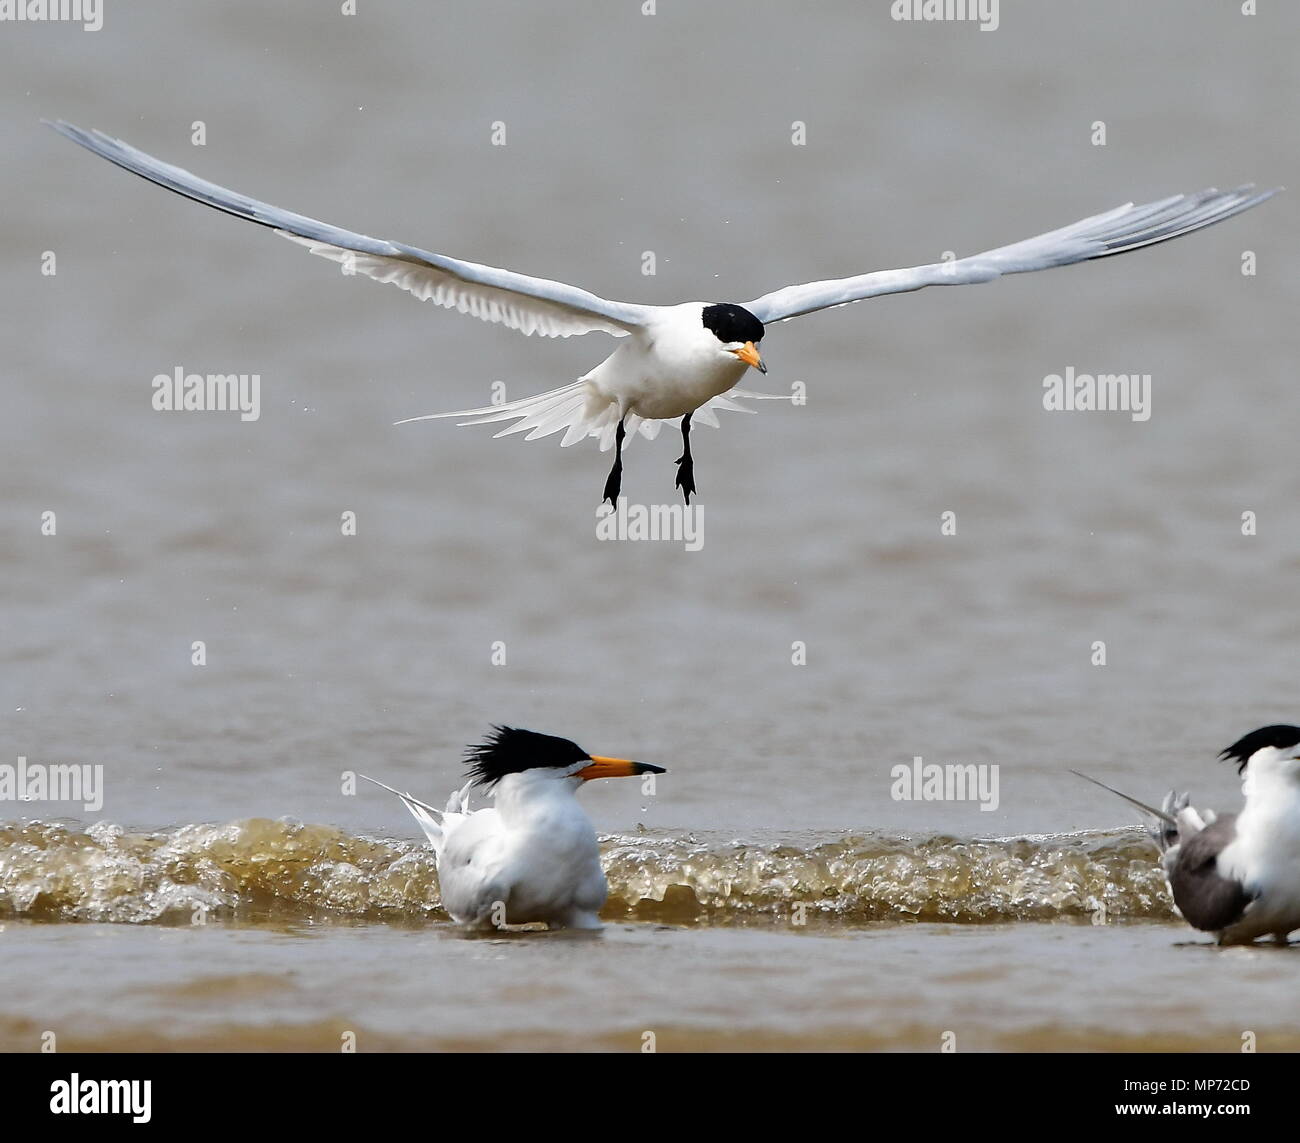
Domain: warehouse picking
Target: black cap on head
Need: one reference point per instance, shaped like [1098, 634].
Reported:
[730, 322]
[508, 750]
[1281, 736]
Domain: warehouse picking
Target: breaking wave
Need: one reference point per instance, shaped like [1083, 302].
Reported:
[258, 869]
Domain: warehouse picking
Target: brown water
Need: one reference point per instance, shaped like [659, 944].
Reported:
[328, 654]
[261, 934]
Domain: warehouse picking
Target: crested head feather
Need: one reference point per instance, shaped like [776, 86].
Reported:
[1279, 736]
[511, 750]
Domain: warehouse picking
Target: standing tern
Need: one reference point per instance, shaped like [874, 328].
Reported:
[534, 857]
[675, 362]
[1237, 875]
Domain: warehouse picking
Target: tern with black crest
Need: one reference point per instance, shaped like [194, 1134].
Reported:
[534, 855]
[675, 363]
[1237, 875]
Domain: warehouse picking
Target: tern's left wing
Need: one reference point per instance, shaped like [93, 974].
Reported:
[530, 305]
[1117, 231]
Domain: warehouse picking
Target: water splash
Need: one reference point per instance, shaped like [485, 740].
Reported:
[257, 869]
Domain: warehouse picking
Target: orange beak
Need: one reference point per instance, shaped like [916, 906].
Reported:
[616, 768]
[748, 353]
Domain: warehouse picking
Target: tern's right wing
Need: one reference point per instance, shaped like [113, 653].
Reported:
[530, 305]
[1117, 231]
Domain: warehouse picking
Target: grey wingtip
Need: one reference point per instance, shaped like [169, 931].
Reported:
[1256, 196]
[77, 134]
[63, 127]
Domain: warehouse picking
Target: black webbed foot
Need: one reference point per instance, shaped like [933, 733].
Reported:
[614, 482]
[686, 476]
[685, 464]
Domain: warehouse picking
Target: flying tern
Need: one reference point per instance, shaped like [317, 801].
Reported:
[1237, 875]
[534, 857]
[674, 363]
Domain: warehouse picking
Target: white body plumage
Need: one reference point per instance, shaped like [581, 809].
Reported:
[533, 857]
[1264, 855]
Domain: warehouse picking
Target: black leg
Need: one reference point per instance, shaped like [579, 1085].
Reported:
[615, 480]
[685, 465]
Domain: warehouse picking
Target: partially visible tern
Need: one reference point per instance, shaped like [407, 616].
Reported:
[534, 857]
[675, 362]
[1237, 875]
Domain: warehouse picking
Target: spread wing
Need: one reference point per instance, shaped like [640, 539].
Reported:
[1117, 231]
[530, 305]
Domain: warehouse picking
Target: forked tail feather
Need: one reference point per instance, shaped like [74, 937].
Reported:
[583, 412]
[1164, 823]
[436, 824]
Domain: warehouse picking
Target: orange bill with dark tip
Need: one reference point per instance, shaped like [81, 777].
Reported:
[748, 353]
[616, 768]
